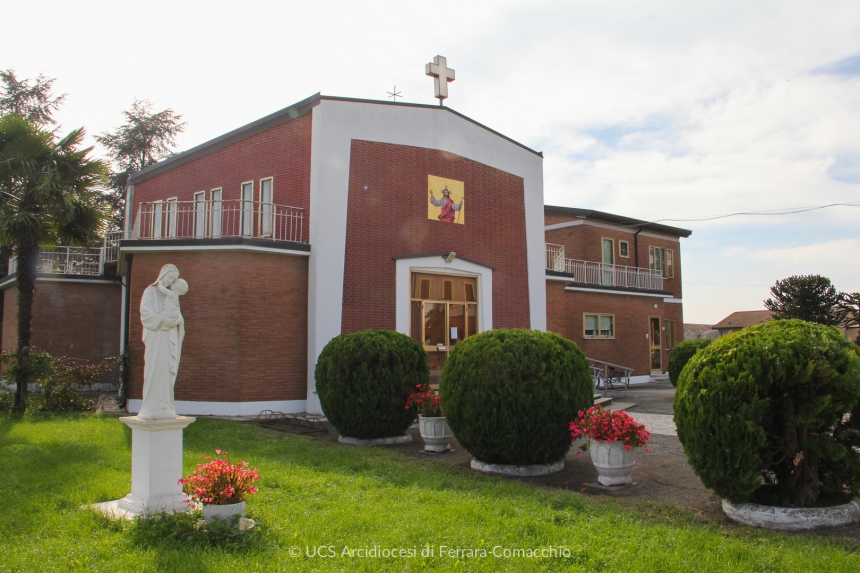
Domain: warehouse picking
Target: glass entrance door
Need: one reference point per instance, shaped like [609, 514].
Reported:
[654, 339]
[444, 312]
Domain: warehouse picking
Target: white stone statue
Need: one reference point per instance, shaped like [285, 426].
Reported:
[163, 331]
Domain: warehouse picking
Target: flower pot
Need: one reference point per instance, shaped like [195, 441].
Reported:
[614, 464]
[211, 512]
[436, 433]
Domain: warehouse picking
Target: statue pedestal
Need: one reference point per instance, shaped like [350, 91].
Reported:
[156, 467]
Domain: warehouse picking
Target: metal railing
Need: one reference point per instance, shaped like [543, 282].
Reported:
[67, 261]
[215, 219]
[601, 274]
[111, 245]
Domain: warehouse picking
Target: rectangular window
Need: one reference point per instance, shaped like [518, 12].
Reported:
[157, 215]
[246, 209]
[599, 325]
[215, 213]
[200, 214]
[266, 207]
[470, 292]
[657, 259]
[670, 264]
[447, 290]
[670, 334]
[171, 216]
[624, 249]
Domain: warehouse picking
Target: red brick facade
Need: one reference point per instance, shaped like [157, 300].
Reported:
[246, 317]
[630, 346]
[282, 152]
[388, 201]
[75, 319]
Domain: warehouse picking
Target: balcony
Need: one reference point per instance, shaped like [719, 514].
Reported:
[160, 220]
[600, 274]
[88, 261]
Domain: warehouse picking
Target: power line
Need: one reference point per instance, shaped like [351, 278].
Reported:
[767, 212]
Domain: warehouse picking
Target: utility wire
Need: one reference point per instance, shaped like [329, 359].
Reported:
[767, 212]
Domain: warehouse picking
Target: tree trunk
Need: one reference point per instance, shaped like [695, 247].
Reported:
[28, 256]
[798, 477]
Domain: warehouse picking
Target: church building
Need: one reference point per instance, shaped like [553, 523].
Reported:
[331, 216]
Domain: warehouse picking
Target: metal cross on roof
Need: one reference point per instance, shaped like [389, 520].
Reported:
[441, 74]
[395, 94]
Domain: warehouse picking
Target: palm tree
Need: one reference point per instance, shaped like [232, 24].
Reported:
[46, 198]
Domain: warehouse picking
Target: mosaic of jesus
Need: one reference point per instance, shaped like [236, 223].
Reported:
[446, 200]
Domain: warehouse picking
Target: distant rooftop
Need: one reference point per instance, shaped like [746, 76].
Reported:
[700, 328]
[744, 318]
[574, 212]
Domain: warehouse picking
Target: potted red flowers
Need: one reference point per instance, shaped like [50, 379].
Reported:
[431, 422]
[221, 487]
[618, 436]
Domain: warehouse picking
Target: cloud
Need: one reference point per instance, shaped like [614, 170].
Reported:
[846, 169]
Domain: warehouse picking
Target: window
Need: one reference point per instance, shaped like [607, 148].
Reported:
[171, 216]
[608, 252]
[247, 206]
[624, 249]
[660, 259]
[266, 207]
[215, 213]
[200, 214]
[444, 310]
[670, 334]
[599, 325]
[156, 223]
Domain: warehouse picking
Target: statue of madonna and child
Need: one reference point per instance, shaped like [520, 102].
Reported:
[163, 331]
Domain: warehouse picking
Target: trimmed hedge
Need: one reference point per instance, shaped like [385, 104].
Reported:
[364, 380]
[510, 395]
[772, 414]
[681, 354]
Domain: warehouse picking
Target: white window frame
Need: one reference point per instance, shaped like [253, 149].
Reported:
[246, 209]
[172, 215]
[621, 251]
[199, 229]
[156, 221]
[265, 223]
[216, 211]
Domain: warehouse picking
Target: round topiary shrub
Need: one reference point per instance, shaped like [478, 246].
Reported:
[510, 395]
[681, 354]
[364, 380]
[771, 414]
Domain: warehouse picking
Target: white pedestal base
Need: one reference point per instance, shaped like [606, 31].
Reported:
[156, 467]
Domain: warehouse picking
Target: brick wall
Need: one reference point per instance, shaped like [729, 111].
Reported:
[630, 347]
[75, 319]
[584, 243]
[246, 323]
[282, 152]
[388, 201]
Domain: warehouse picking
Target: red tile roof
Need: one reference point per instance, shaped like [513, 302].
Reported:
[744, 318]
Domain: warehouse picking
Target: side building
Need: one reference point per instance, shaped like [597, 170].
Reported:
[613, 286]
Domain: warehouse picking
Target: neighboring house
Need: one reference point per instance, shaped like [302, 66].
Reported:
[741, 319]
[693, 331]
[614, 287]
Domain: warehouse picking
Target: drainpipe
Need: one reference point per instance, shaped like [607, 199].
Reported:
[636, 246]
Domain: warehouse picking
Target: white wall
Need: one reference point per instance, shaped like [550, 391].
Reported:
[335, 125]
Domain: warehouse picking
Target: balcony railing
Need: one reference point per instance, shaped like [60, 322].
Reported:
[216, 219]
[600, 274]
[67, 261]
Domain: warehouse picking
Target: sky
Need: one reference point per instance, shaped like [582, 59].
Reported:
[654, 110]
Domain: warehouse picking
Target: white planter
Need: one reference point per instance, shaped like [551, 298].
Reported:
[614, 464]
[436, 433]
[792, 518]
[211, 512]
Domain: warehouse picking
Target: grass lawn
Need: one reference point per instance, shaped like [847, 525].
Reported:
[318, 494]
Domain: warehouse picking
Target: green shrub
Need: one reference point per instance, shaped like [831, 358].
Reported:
[58, 379]
[510, 395]
[364, 380]
[772, 414]
[681, 354]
